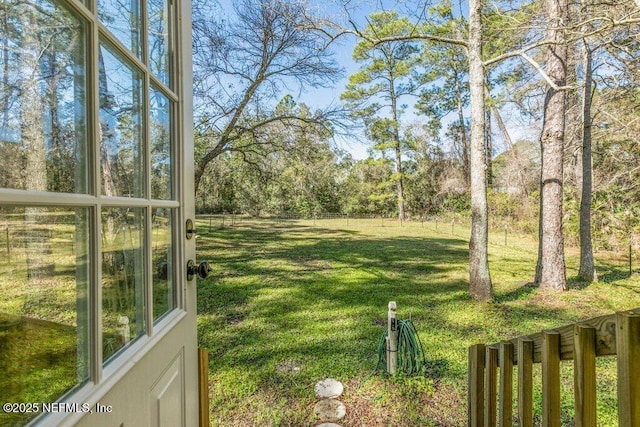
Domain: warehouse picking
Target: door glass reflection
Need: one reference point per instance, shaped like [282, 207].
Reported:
[42, 98]
[164, 294]
[123, 20]
[121, 126]
[122, 278]
[44, 265]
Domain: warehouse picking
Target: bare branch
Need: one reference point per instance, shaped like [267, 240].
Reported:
[543, 73]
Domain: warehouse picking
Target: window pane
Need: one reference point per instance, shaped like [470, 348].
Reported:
[121, 127]
[159, 26]
[43, 309]
[42, 98]
[122, 278]
[161, 152]
[163, 284]
[122, 19]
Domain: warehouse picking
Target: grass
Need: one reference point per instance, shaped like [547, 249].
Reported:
[294, 302]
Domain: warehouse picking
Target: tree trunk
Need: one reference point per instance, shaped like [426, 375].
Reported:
[587, 269]
[398, 151]
[400, 184]
[551, 265]
[4, 101]
[463, 138]
[32, 109]
[56, 164]
[489, 146]
[480, 286]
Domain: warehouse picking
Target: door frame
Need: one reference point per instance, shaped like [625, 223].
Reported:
[139, 366]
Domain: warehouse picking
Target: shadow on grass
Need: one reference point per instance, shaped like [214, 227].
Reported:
[519, 293]
[317, 299]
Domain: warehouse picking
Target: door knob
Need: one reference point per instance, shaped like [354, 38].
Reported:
[201, 269]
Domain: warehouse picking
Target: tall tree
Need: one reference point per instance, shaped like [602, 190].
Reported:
[445, 83]
[603, 50]
[550, 270]
[587, 269]
[243, 64]
[374, 92]
[480, 286]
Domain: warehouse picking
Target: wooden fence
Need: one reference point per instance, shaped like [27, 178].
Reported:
[491, 372]
[203, 388]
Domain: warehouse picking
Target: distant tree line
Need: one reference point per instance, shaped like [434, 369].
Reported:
[318, 178]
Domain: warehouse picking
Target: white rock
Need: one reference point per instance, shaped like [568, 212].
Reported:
[328, 425]
[330, 410]
[328, 388]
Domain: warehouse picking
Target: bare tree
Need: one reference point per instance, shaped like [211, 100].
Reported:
[245, 64]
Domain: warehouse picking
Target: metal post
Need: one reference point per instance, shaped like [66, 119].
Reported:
[392, 339]
[8, 243]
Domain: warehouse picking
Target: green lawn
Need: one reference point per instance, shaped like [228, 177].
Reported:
[293, 302]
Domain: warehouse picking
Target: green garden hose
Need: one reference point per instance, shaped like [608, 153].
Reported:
[411, 357]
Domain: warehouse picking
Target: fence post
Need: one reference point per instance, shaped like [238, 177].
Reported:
[525, 382]
[628, 353]
[476, 385]
[203, 387]
[550, 379]
[6, 226]
[505, 416]
[490, 386]
[584, 375]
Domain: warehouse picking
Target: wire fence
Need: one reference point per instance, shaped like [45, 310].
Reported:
[501, 235]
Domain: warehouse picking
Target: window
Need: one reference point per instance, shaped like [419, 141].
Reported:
[43, 114]
[88, 192]
[121, 125]
[44, 270]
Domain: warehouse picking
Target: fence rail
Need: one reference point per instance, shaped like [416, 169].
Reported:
[491, 373]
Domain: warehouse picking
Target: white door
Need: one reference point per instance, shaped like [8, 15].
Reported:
[97, 316]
